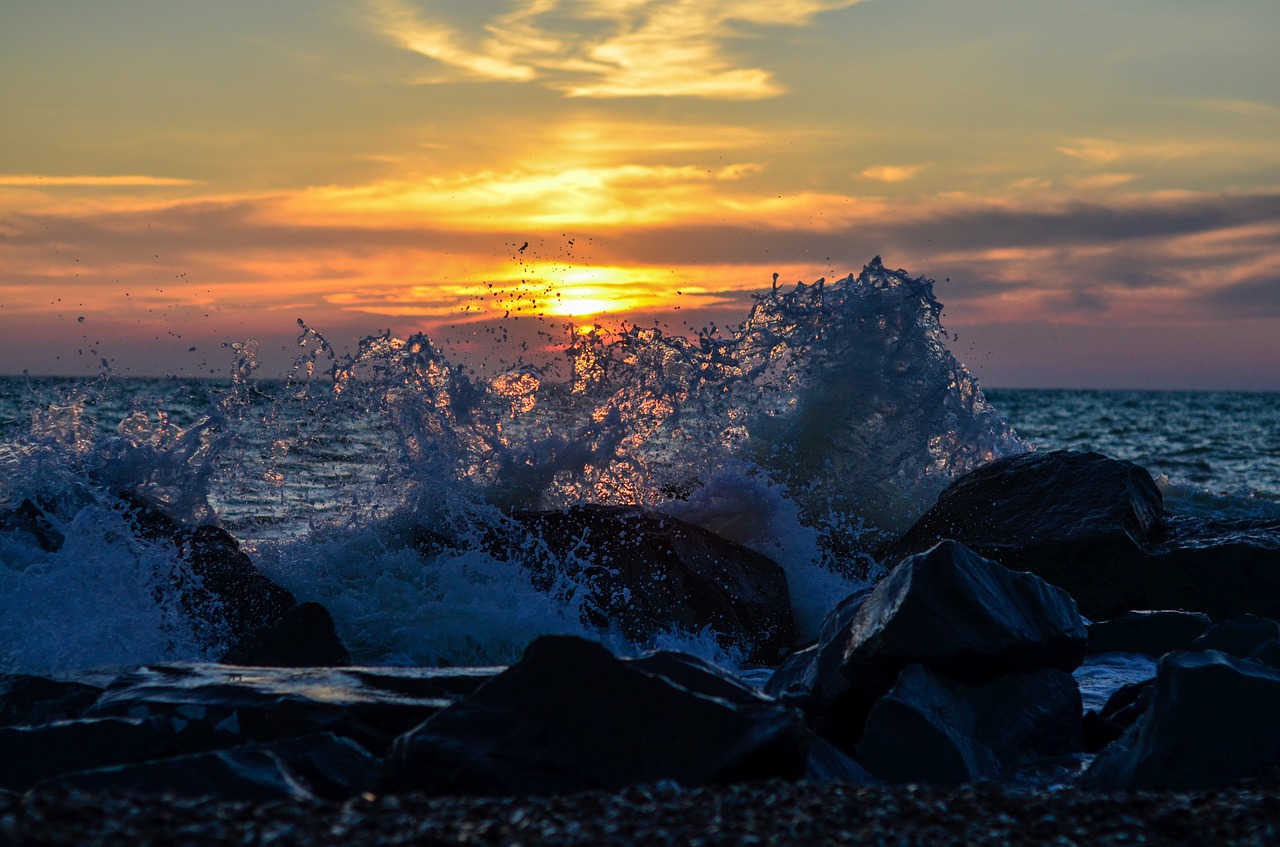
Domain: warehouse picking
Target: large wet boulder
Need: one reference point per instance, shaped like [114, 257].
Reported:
[960, 615]
[645, 572]
[371, 706]
[303, 637]
[932, 730]
[571, 717]
[27, 699]
[227, 597]
[244, 774]
[1209, 720]
[1095, 526]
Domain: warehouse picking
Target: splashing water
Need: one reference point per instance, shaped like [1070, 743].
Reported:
[828, 420]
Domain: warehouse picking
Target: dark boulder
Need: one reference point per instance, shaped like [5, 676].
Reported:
[1240, 636]
[370, 706]
[961, 616]
[1210, 720]
[1043, 501]
[330, 766]
[245, 774]
[645, 572]
[1268, 653]
[302, 637]
[1095, 526]
[228, 595]
[571, 717]
[27, 699]
[932, 730]
[35, 753]
[1152, 633]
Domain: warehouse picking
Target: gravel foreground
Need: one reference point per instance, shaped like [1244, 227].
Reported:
[758, 814]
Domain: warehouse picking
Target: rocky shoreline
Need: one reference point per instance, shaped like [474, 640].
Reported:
[775, 812]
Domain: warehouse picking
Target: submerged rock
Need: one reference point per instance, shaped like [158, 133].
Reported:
[645, 572]
[1095, 526]
[571, 717]
[1210, 720]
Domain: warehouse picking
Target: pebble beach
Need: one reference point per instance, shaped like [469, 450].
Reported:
[665, 814]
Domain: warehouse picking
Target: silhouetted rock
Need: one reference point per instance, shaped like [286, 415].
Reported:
[27, 699]
[302, 637]
[1152, 633]
[932, 730]
[330, 766]
[1210, 721]
[646, 572]
[570, 717]
[245, 774]
[229, 595]
[1095, 527]
[371, 706]
[35, 753]
[1240, 636]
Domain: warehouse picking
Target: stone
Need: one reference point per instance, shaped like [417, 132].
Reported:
[1095, 527]
[1239, 636]
[932, 730]
[961, 616]
[645, 572]
[229, 596]
[571, 717]
[302, 637]
[1210, 721]
[245, 774]
[35, 753]
[1152, 633]
[371, 706]
[329, 766]
[26, 699]
[29, 518]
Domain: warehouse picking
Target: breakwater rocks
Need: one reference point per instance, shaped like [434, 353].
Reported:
[956, 668]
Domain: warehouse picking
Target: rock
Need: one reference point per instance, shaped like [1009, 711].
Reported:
[229, 595]
[1095, 527]
[812, 679]
[370, 706]
[645, 572]
[245, 774]
[35, 753]
[961, 616]
[329, 766]
[27, 699]
[1152, 633]
[1268, 653]
[1210, 721]
[302, 637]
[1042, 502]
[1240, 636]
[571, 717]
[932, 730]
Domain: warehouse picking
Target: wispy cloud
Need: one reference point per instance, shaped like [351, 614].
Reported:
[892, 173]
[43, 181]
[607, 48]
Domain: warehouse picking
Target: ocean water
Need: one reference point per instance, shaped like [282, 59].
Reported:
[827, 422]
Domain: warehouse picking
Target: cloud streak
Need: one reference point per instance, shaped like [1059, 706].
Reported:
[606, 48]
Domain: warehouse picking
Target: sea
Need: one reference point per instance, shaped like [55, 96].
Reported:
[821, 426]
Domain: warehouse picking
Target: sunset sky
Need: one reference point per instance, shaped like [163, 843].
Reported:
[1094, 184]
